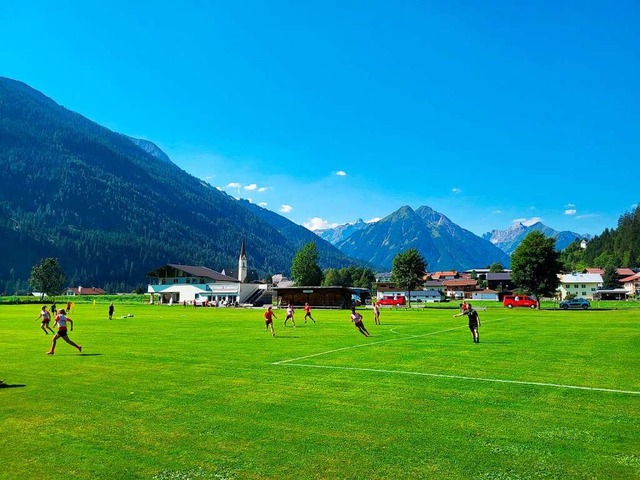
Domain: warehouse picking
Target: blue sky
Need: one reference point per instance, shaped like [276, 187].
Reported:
[328, 111]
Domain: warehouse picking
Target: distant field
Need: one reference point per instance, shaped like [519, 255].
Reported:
[184, 393]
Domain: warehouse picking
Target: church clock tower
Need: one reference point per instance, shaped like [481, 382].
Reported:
[242, 264]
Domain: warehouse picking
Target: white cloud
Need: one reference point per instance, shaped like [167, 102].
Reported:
[235, 185]
[497, 212]
[263, 189]
[263, 204]
[285, 208]
[456, 190]
[569, 205]
[571, 211]
[373, 220]
[527, 222]
[588, 215]
[317, 223]
[220, 188]
[253, 186]
[341, 173]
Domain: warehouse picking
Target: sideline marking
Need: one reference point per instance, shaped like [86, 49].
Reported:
[461, 377]
[282, 362]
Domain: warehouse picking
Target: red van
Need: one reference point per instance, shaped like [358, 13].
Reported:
[511, 301]
[391, 300]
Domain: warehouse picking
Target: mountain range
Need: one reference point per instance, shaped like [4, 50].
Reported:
[442, 243]
[112, 208]
[509, 239]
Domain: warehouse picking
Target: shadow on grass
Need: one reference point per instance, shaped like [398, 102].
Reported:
[6, 385]
[90, 354]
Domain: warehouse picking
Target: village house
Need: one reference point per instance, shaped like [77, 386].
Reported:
[74, 291]
[582, 285]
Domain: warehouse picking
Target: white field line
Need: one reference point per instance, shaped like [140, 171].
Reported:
[281, 362]
[460, 377]
[436, 375]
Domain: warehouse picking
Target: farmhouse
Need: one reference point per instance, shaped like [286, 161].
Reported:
[631, 284]
[73, 291]
[460, 287]
[582, 285]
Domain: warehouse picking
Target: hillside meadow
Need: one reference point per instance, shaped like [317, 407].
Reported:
[200, 393]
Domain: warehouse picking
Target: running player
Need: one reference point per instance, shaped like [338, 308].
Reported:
[290, 316]
[376, 313]
[61, 321]
[268, 320]
[46, 318]
[307, 313]
[356, 318]
[474, 321]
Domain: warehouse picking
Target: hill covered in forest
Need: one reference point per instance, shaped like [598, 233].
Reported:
[112, 208]
[615, 247]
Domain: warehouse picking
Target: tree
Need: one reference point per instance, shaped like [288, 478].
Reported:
[408, 269]
[496, 267]
[535, 264]
[47, 277]
[304, 267]
[610, 277]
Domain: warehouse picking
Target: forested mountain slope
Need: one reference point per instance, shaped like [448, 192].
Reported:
[110, 210]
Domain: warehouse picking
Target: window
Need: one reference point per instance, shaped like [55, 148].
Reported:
[584, 286]
[584, 293]
[575, 286]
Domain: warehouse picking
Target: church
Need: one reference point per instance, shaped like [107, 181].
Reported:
[196, 285]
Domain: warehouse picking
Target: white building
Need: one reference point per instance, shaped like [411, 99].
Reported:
[175, 284]
[582, 285]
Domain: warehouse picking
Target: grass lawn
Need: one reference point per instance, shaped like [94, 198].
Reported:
[184, 393]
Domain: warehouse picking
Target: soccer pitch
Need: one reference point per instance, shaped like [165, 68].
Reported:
[203, 393]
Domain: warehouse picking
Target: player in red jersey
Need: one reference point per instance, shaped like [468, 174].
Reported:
[268, 321]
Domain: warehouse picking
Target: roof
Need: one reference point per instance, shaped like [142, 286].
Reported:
[581, 278]
[450, 273]
[433, 283]
[594, 270]
[624, 272]
[499, 276]
[486, 290]
[193, 271]
[86, 291]
[631, 278]
[459, 282]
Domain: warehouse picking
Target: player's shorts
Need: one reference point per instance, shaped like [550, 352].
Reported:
[45, 322]
[473, 325]
[268, 322]
[289, 317]
[62, 332]
[359, 324]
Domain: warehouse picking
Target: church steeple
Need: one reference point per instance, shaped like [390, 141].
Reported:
[242, 263]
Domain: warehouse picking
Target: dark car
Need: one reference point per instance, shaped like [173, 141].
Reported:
[575, 303]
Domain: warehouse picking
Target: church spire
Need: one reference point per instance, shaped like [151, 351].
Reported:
[242, 263]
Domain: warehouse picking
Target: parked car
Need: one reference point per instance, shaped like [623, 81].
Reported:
[511, 301]
[391, 300]
[575, 303]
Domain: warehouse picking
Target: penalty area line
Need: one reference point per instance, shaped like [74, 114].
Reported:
[351, 347]
[462, 377]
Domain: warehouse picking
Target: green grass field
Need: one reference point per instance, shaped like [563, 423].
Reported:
[184, 393]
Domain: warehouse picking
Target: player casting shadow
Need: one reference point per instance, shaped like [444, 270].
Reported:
[89, 354]
[6, 385]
